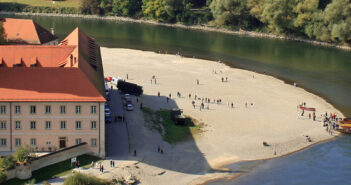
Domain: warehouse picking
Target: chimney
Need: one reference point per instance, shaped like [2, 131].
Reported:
[52, 31]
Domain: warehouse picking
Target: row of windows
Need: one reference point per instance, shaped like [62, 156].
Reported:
[33, 109]
[33, 125]
[33, 142]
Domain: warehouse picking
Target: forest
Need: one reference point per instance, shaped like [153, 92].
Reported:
[324, 20]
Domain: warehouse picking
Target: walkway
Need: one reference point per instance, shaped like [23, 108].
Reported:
[116, 132]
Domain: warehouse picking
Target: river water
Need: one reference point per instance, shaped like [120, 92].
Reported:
[324, 71]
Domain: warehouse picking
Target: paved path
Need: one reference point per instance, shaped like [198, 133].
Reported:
[116, 132]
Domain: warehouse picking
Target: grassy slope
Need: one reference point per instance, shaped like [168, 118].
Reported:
[173, 133]
[45, 3]
[56, 170]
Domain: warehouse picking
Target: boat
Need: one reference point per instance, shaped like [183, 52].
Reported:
[307, 108]
[345, 121]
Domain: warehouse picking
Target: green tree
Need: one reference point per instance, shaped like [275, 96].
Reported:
[338, 17]
[22, 153]
[126, 7]
[230, 12]
[155, 9]
[3, 175]
[2, 34]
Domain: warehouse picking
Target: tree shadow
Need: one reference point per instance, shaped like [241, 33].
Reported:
[183, 156]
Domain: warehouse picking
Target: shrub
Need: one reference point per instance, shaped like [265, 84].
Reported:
[22, 154]
[82, 179]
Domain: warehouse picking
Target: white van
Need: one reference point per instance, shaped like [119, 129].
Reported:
[115, 80]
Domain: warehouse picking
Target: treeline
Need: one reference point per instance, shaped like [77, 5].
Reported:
[325, 20]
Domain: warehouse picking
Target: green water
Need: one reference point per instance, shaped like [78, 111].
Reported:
[324, 71]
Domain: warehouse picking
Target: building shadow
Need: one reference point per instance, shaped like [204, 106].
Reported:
[145, 142]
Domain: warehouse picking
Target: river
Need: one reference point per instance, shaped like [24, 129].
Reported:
[323, 71]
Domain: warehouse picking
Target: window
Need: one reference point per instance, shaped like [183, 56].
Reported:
[17, 109]
[63, 124]
[17, 142]
[32, 109]
[93, 125]
[2, 142]
[78, 125]
[93, 142]
[33, 142]
[48, 125]
[48, 143]
[33, 125]
[17, 125]
[93, 109]
[78, 109]
[47, 109]
[2, 125]
[2, 109]
[78, 141]
[63, 109]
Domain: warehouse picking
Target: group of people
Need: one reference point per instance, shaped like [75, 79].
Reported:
[101, 167]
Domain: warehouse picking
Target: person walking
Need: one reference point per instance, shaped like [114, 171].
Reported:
[198, 82]
[127, 76]
[102, 168]
[135, 153]
[111, 164]
[158, 94]
[167, 99]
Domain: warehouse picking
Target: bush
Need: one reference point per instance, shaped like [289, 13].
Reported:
[82, 179]
[22, 154]
[3, 175]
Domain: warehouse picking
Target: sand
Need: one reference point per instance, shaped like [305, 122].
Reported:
[229, 134]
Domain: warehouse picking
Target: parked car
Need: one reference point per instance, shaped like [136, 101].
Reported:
[108, 119]
[130, 107]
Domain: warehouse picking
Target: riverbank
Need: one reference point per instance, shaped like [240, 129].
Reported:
[193, 27]
[230, 134]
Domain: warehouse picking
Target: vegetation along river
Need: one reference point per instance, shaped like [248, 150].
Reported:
[321, 70]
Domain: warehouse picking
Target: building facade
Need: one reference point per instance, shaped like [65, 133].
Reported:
[52, 97]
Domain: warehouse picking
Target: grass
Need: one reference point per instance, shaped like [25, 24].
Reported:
[172, 133]
[79, 178]
[46, 3]
[55, 170]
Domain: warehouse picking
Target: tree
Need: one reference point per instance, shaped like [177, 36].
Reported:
[155, 9]
[126, 7]
[22, 153]
[230, 12]
[2, 34]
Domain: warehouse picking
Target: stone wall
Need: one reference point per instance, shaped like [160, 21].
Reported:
[25, 171]
[59, 156]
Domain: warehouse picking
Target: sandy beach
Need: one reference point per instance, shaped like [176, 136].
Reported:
[264, 109]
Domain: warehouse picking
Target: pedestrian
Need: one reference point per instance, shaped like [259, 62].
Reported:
[246, 105]
[78, 164]
[134, 152]
[309, 116]
[155, 81]
[102, 168]
[226, 79]
[222, 79]
[137, 100]
[251, 105]
[111, 164]
[195, 96]
[232, 105]
[161, 151]
[170, 95]
[141, 106]
[127, 76]
[189, 95]
[167, 99]
[197, 81]
[158, 149]
[158, 94]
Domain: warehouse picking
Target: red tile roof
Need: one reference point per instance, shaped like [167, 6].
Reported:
[46, 84]
[44, 56]
[71, 71]
[26, 31]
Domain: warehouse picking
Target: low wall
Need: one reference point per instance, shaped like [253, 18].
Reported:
[25, 171]
[59, 156]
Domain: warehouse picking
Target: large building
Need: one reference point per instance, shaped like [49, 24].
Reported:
[52, 97]
[26, 31]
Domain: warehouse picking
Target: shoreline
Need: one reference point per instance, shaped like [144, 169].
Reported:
[232, 177]
[187, 67]
[191, 27]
